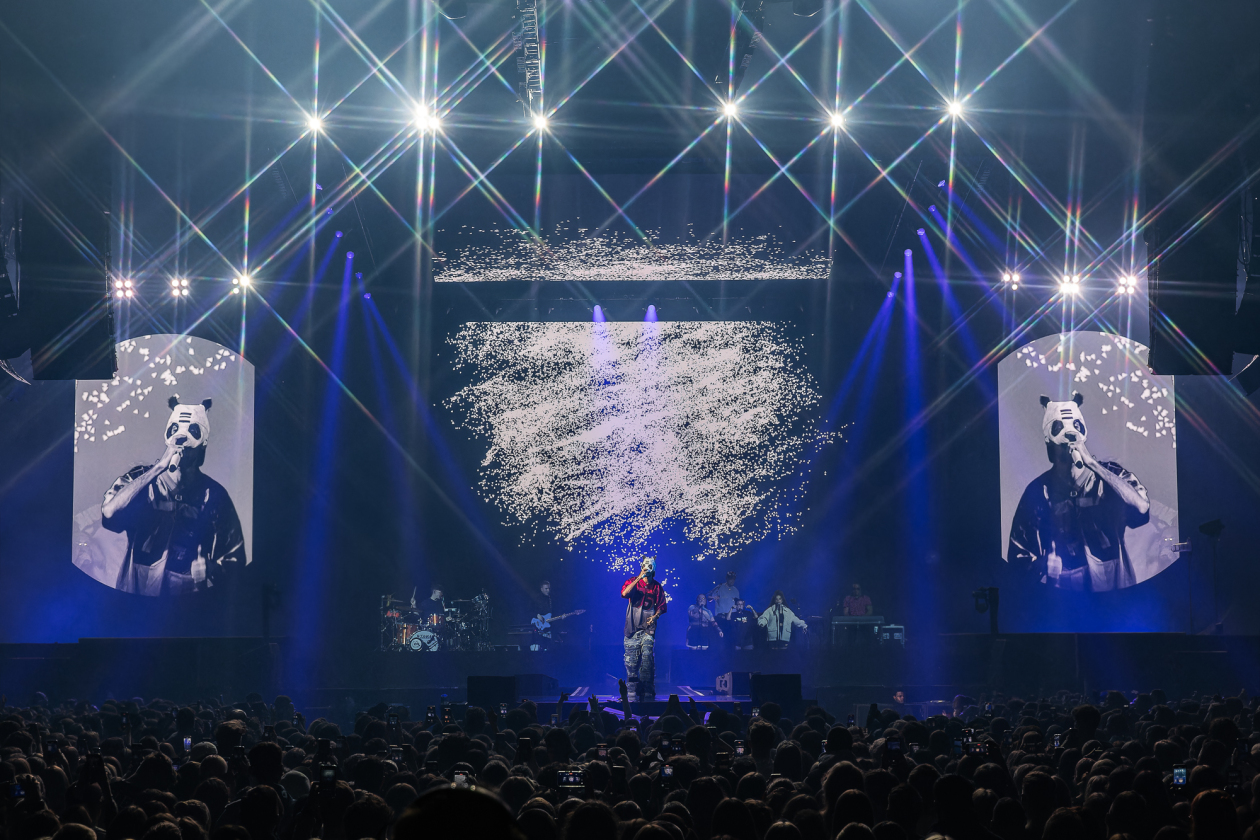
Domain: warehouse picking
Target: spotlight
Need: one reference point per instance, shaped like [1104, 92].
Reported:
[1070, 284]
[118, 284]
[651, 314]
[174, 292]
[1006, 278]
[1011, 279]
[599, 314]
[427, 120]
[837, 120]
[367, 295]
[127, 284]
[175, 282]
[128, 293]
[315, 124]
[118, 293]
[183, 281]
[243, 280]
[1128, 285]
[731, 110]
[955, 109]
[540, 122]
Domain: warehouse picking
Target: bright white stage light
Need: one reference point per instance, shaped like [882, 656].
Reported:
[955, 109]
[427, 120]
[1070, 284]
[128, 293]
[1006, 278]
[540, 122]
[126, 284]
[175, 292]
[314, 123]
[837, 120]
[118, 284]
[243, 281]
[118, 293]
[731, 110]
[1128, 285]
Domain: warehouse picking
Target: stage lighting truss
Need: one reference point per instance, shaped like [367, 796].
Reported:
[1127, 285]
[1010, 280]
[1070, 284]
[528, 58]
[752, 19]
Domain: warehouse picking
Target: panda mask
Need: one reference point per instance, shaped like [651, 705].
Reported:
[1062, 422]
[189, 429]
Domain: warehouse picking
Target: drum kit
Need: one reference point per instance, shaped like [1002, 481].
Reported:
[465, 625]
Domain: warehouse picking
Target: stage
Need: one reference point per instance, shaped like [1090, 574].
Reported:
[934, 669]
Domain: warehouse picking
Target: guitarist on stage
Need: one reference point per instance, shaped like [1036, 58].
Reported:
[543, 616]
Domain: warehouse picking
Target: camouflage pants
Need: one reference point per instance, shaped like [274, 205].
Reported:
[641, 666]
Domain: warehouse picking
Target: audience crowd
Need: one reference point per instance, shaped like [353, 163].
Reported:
[1061, 768]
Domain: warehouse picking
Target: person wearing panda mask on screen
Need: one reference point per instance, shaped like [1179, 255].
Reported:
[183, 534]
[1068, 529]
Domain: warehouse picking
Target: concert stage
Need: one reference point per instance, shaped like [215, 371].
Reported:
[183, 669]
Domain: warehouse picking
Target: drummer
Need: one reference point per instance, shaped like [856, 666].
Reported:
[432, 606]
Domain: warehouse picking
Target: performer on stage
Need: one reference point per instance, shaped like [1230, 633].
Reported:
[738, 624]
[778, 620]
[646, 604]
[433, 605]
[855, 603]
[725, 595]
[700, 625]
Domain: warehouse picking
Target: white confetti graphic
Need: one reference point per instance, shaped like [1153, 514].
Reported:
[601, 436]
[1136, 379]
[576, 254]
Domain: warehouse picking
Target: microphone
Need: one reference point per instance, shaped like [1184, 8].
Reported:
[174, 465]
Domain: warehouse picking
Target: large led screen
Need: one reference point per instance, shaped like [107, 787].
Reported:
[1088, 463]
[164, 468]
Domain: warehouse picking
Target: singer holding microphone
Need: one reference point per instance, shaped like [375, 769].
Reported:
[778, 620]
[183, 533]
[1069, 526]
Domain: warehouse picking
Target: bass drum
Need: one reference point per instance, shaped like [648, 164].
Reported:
[424, 640]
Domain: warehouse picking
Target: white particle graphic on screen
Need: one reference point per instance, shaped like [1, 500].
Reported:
[601, 435]
[609, 255]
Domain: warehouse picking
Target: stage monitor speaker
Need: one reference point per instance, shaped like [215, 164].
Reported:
[734, 683]
[489, 692]
[780, 688]
[537, 685]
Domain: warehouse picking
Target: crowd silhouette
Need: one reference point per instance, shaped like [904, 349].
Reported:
[1135, 767]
